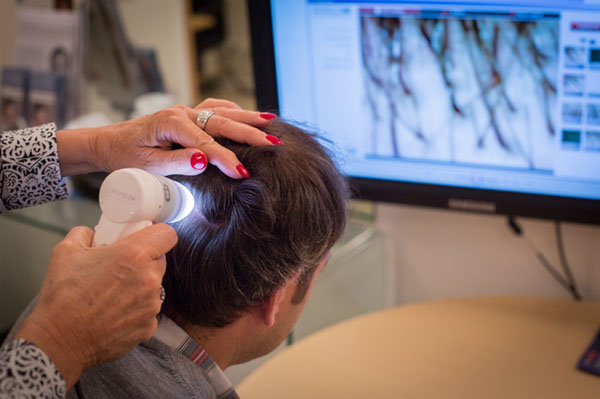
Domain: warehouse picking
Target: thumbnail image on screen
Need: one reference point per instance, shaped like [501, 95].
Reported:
[476, 90]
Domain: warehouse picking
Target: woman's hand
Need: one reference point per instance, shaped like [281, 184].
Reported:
[96, 304]
[167, 142]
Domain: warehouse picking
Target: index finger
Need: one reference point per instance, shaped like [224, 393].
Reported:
[157, 239]
[79, 235]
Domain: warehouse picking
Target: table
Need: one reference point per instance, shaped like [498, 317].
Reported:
[509, 347]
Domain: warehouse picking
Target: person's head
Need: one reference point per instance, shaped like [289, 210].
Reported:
[248, 238]
[59, 61]
[41, 114]
[9, 110]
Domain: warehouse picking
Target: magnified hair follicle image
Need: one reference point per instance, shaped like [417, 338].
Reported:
[477, 91]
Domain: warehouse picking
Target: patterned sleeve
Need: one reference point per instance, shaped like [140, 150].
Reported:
[29, 168]
[26, 372]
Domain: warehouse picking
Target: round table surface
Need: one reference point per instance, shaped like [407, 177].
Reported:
[511, 347]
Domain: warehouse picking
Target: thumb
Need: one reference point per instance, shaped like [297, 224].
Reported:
[184, 161]
[81, 236]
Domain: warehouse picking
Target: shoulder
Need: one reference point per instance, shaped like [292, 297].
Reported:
[151, 370]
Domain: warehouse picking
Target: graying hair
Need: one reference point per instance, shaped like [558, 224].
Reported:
[246, 237]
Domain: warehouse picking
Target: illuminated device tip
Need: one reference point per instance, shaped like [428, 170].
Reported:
[187, 203]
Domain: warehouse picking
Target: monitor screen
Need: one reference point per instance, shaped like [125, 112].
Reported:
[475, 103]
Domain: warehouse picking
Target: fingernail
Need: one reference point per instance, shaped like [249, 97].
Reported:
[198, 161]
[273, 139]
[267, 115]
[243, 171]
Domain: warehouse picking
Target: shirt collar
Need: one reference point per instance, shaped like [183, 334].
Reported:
[170, 334]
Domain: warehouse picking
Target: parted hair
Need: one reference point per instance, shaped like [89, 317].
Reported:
[244, 238]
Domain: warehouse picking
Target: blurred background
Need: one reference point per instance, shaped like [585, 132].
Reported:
[116, 51]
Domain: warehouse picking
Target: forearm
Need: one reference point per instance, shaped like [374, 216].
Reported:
[89, 150]
[76, 151]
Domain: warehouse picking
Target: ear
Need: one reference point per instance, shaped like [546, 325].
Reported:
[271, 306]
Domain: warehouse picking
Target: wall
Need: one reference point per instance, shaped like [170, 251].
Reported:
[161, 25]
[7, 32]
[442, 254]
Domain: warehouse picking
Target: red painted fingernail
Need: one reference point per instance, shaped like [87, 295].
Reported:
[243, 171]
[267, 115]
[198, 161]
[273, 139]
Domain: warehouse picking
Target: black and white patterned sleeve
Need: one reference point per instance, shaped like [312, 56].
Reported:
[29, 168]
[26, 372]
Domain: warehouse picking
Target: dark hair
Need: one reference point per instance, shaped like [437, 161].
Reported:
[246, 237]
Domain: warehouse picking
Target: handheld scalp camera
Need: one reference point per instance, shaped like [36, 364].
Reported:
[132, 199]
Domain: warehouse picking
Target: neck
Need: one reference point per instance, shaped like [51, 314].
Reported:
[222, 344]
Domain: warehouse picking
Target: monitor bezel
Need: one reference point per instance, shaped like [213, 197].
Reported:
[468, 199]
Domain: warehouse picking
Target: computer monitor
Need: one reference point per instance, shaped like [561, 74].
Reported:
[489, 106]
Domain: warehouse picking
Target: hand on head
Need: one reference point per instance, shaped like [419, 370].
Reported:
[148, 142]
[96, 304]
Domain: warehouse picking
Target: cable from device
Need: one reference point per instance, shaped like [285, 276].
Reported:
[563, 260]
[567, 283]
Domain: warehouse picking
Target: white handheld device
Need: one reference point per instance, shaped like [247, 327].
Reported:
[132, 199]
